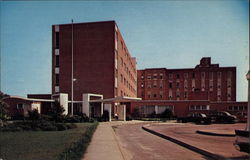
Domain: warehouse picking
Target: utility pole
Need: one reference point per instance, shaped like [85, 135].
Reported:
[72, 69]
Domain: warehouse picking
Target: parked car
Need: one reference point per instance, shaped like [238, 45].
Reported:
[222, 117]
[242, 116]
[196, 118]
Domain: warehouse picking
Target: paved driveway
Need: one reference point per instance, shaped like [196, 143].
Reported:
[137, 144]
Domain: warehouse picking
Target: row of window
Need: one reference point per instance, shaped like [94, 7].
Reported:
[126, 83]
[185, 75]
[237, 108]
[199, 107]
[57, 60]
[178, 85]
[123, 64]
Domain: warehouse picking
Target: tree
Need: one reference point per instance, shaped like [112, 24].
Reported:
[56, 111]
[3, 106]
[167, 113]
[34, 115]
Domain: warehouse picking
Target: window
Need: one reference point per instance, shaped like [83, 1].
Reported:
[155, 95]
[177, 76]
[161, 76]
[142, 85]
[219, 74]
[57, 79]
[57, 61]
[203, 75]
[170, 85]
[149, 76]
[121, 62]
[185, 95]
[149, 85]
[191, 107]
[148, 95]
[121, 78]
[19, 106]
[155, 76]
[170, 76]
[177, 84]
[193, 75]
[57, 40]
[142, 77]
[185, 75]
[121, 93]
[155, 84]
[161, 84]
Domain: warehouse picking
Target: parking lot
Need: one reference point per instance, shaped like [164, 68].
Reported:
[218, 145]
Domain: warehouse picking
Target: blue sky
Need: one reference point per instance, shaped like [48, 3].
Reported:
[170, 34]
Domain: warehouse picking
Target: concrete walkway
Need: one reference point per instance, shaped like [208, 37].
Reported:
[104, 144]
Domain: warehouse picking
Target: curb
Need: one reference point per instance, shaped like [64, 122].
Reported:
[193, 148]
[215, 134]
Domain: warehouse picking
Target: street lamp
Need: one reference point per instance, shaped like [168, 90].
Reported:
[248, 108]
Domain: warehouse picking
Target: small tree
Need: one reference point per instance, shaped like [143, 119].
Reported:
[56, 111]
[3, 107]
[34, 115]
[167, 113]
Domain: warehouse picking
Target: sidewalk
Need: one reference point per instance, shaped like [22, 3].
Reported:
[104, 145]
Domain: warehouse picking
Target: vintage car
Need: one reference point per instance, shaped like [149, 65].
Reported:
[241, 116]
[222, 117]
[198, 118]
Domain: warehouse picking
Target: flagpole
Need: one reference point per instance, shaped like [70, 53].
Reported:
[72, 69]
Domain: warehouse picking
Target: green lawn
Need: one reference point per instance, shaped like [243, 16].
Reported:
[39, 145]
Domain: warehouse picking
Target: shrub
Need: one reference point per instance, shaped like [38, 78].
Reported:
[61, 126]
[167, 113]
[105, 116]
[71, 125]
[34, 115]
[128, 118]
[56, 111]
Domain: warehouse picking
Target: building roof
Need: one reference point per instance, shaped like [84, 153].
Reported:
[117, 99]
[31, 99]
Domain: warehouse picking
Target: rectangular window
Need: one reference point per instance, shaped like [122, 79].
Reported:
[57, 79]
[193, 75]
[161, 76]
[149, 76]
[177, 85]
[186, 75]
[155, 76]
[170, 85]
[177, 76]
[155, 84]
[161, 84]
[19, 106]
[57, 40]
[57, 61]
[170, 76]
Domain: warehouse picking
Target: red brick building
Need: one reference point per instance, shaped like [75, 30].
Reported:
[205, 88]
[204, 82]
[102, 63]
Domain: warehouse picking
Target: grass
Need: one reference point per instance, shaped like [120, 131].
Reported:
[41, 145]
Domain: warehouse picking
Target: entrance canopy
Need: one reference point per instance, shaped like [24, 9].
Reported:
[117, 99]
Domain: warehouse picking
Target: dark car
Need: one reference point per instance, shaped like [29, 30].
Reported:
[222, 117]
[199, 118]
[242, 116]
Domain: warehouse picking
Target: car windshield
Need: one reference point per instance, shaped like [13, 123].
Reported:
[226, 113]
[203, 115]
